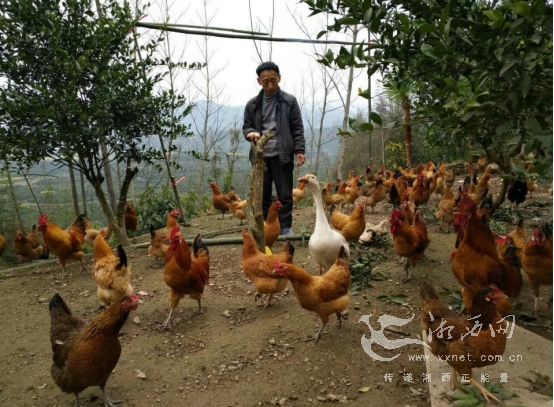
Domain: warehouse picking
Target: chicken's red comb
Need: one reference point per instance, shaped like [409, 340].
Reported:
[395, 216]
[466, 202]
[42, 218]
[500, 239]
[176, 230]
[277, 265]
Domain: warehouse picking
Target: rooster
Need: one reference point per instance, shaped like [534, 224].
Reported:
[66, 245]
[185, 273]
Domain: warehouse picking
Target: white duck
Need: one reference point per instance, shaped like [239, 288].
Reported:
[325, 242]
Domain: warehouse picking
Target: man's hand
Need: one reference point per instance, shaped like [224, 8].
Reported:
[253, 136]
[300, 159]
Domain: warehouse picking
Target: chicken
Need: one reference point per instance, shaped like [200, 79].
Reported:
[272, 227]
[340, 197]
[112, 276]
[376, 196]
[351, 227]
[517, 192]
[449, 176]
[86, 354]
[220, 201]
[237, 211]
[351, 179]
[403, 191]
[258, 266]
[2, 244]
[91, 233]
[517, 237]
[327, 196]
[159, 239]
[352, 192]
[185, 274]
[408, 209]
[483, 212]
[445, 212]
[465, 347]
[537, 263]
[476, 264]
[66, 245]
[131, 219]
[439, 189]
[483, 184]
[373, 230]
[28, 247]
[482, 163]
[420, 193]
[409, 241]
[298, 194]
[394, 197]
[325, 295]
[370, 176]
[532, 186]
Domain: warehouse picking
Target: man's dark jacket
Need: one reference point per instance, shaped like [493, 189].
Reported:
[289, 125]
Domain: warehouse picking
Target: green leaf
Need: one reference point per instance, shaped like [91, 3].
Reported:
[532, 126]
[507, 66]
[321, 34]
[536, 38]
[376, 118]
[392, 61]
[493, 14]
[383, 297]
[464, 86]
[525, 83]
[522, 7]
[366, 127]
[428, 50]
[427, 28]
[404, 19]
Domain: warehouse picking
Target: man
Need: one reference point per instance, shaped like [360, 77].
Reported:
[276, 111]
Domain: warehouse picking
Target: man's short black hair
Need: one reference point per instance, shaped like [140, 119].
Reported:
[267, 66]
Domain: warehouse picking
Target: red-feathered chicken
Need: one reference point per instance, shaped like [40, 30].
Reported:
[28, 247]
[86, 354]
[221, 202]
[159, 239]
[185, 273]
[537, 263]
[272, 227]
[409, 241]
[455, 339]
[131, 219]
[65, 245]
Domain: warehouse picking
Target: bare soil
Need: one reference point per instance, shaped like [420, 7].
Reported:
[250, 356]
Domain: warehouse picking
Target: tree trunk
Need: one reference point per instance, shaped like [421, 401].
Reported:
[83, 190]
[112, 221]
[12, 192]
[369, 133]
[254, 209]
[407, 130]
[342, 141]
[74, 194]
[32, 192]
[108, 173]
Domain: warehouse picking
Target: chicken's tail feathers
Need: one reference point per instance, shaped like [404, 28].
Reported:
[427, 292]
[122, 257]
[289, 248]
[332, 208]
[152, 231]
[57, 302]
[343, 254]
[198, 244]
[34, 229]
[81, 221]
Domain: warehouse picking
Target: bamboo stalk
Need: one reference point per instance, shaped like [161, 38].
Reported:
[209, 242]
[243, 37]
[208, 28]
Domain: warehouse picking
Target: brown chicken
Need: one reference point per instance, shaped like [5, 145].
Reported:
[86, 354]
[408, 209]
[327, 196]
[159, 239]
[221, 202]
[421, 192]
[340, 197]
[463, 350]
[112, 275]
[404, 191]
[378, 195]
[91, 233]
[185, 274]
[537, 263]
[272, 227]
[476, 264]
[445, 212]
[131, 219]
[351, 227]
[2, 244]
[28, 247]
[482, 163]
[409, 241]
[258, 266]
[532, 186]
[66, 245]
[352, 192]
[483, 185]
[237, 210]
[298, 194]
[325, 295]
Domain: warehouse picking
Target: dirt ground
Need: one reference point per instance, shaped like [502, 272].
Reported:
[237, 354]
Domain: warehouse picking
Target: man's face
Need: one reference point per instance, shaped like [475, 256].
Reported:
[269, 81]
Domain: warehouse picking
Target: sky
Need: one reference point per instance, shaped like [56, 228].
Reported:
[237, 58]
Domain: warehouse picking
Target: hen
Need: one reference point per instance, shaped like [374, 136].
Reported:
[517, 192]
[409, 241]
[377, 195]
[325, 295]
[131, 219]
[221, 202]
[463, 346]
[445, 212]
[537, 263]
[352, 191]
[91, 233]
[66, 245]
[185, 273]
[272, 227]
[351, 227]
[482, 163]
[86, 354]
[159, 238]
[298, 194]
[237, 210]
[27, 247]
[112, 276]
[258, 266]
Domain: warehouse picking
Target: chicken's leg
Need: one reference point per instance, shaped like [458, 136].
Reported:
[320, 270]
[317, 335]
[408, 269]
[107, 401]
[167, 323]
[340, 318]
[536, 308]
[268, 303]
[83, 267]
[77, 404]
[484, 391]
[199, 309]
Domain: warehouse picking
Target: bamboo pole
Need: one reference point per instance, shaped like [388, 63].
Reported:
[242, 37]
[201, 27]
[209, 242]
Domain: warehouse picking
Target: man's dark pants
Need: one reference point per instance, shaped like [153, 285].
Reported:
[282, 176]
